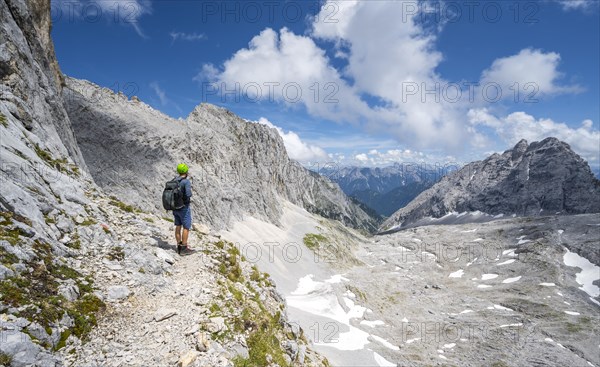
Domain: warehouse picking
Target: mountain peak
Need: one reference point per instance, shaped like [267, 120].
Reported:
[542, 177]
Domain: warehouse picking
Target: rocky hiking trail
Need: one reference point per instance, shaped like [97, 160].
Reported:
[206, 308]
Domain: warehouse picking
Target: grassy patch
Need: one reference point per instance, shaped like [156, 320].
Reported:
[75, 243]
[5, 359]
[84, 314]
[36, 295]
[88, 222]
[116, 254]
[49, 220]
[3, 120]
[582, 323]
[168, 219]
[263, 339]
[11, 235]
[124, 207]
[8, 217]
[313, 241]
[237, 294]
[149, 220]
[229, 263]
[359, 294]
[214, 308]
[6, 258]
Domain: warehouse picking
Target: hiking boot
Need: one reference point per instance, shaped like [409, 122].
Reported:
[179, 247]
[185, 250]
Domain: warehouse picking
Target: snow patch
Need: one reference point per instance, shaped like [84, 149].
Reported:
[511, 280]
[457, 274]
[489, 276]
[511, 325]
[589, 273]
[510, 261]
[382, 362]
[372, 323]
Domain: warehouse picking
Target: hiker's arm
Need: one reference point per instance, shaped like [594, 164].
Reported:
[188, 189]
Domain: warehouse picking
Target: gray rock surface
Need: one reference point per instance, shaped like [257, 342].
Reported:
[238, 167]
[481, 294]
[541, 178]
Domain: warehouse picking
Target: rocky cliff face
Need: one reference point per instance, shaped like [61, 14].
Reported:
[541, 178]
[31, 80]
[69, 252]
[238, 167]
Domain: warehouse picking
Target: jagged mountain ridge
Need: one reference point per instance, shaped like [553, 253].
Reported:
[68, 252]
[239, 168]
[384, 189]
[544, 177]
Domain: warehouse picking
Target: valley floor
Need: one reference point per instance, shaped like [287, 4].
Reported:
[503, 293]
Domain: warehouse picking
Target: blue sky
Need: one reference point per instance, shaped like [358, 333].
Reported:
[371, 63]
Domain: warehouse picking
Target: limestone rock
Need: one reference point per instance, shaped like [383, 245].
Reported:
[541, 178]
[187, 359]
[118, 292]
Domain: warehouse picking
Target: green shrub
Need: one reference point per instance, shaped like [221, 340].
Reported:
[313, 241]
[3, 120]
[5, 359]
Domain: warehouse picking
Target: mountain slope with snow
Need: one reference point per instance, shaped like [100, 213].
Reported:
[541, 178]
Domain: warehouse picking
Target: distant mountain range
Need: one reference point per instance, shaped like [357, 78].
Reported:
[385, 189]
[541, 178]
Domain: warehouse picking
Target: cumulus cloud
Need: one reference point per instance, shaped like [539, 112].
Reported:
[175, 36]
[382, 53]
[584, 139]
[295, 147]
[535, 72]
[292, 69]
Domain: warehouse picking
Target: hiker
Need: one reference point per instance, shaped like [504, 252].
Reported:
[176, 197]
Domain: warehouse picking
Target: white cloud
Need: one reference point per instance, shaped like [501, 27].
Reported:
[295, 147]
[578, 4]
[295, 64]
[382, 52]
[585, 140]
[362, 157]
[162, 96]
[534, 71]
[160, 93]
[123, 12]
[175, 36]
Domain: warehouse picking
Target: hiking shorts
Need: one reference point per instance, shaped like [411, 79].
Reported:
[183, 217]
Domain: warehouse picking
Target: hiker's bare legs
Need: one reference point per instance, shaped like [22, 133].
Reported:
[178, 234]
[186, 233]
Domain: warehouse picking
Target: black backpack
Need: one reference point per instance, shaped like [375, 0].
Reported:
[172, 197]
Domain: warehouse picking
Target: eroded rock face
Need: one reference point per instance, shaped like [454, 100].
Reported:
[31, 80]
[541, 178]
[238, 167]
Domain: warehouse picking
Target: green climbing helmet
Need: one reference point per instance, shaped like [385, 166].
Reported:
[182, 168]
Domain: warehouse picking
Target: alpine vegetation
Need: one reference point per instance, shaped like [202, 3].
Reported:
[200, 184]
